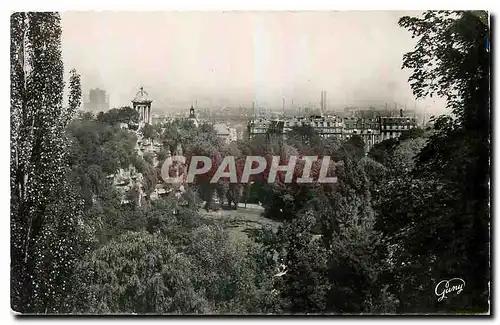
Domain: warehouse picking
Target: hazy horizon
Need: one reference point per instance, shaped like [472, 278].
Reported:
[235, 58]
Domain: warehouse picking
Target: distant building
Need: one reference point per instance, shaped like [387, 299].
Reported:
[325, 126]
[226, 133]
[366, 128]
[275, 131]
[97, 100]
[233, 134]
[371, 130]
[393, 127]
[142, 104]
[258, 127]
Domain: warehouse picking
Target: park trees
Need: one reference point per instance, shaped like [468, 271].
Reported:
[161, 262]
[97, 150]
[335, 258]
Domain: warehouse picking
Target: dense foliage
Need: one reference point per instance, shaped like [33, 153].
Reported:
[437, 217]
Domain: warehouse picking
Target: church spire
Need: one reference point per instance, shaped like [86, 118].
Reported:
[191, 112]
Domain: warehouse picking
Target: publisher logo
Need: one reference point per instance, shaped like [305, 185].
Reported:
[446, 287]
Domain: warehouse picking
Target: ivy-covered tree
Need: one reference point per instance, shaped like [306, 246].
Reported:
[46, 236]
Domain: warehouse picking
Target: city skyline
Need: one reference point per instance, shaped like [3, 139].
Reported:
[236, 58]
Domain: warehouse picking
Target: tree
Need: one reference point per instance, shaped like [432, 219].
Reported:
[149, 132]
[149, 158]
[86, 116]
[119, 115]
[403, 157]
[97, 151]
[150, 175]
[412, 134]
[234, 194]
[304, 138]
[46, 236]
[128, 115]
[355, 145]
[160, 262]
[340, 271]
[204, 142]
[330, 147]
[304, 286]
[438, 216]
[378, 176]
[137, 272]
[358, 256]
[382, 151]
[230, 273]
[181, 132]
[75, 92]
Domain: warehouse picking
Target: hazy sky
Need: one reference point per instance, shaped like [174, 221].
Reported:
[234, 58]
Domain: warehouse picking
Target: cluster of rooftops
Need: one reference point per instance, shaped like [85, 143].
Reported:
[338, 122]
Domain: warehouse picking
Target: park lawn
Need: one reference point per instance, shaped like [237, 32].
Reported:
[240, 223]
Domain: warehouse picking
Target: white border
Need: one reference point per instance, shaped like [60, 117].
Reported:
[60, 5]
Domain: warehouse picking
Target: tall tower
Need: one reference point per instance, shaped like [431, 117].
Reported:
[142, 104]
[323, 102]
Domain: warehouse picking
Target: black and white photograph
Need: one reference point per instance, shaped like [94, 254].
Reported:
[250, 162]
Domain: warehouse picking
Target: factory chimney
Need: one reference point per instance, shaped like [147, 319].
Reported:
[324, 102]
[321, 101]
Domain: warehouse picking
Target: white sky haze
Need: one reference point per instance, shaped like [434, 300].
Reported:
[234, 58]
